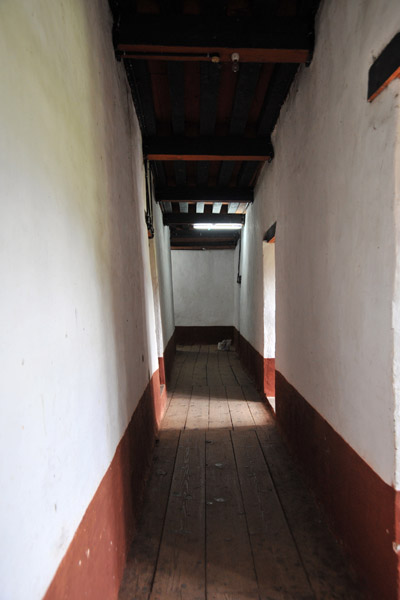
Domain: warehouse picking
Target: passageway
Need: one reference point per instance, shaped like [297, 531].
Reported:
[226, 513]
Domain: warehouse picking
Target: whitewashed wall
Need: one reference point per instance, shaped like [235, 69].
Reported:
[269, 309]
[77, 329]
[203, 287]
[331, 189]
[164, 270]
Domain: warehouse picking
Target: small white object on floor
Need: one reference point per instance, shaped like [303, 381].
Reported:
[225, 345]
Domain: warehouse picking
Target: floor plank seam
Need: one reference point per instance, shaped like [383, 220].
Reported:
[287, 520]
[246, 519]
[164, 520]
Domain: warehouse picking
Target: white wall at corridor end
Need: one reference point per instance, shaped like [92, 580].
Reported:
[203, 287]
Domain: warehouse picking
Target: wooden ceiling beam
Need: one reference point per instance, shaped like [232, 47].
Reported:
[203, 246]
[204, 38]
[193, 218]
[204, 194]
[203, 240]
[208, 148]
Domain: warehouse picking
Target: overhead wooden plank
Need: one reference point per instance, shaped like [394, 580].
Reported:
[204, 194]
[179, 219]
[264, 7]
[274, 551]
[226, 97]
[180, 172]
[202, 173]
[196, 246]
[242, 208]
[258, 99]
[232, 207]
[142, 557]
[204, 148]
[245, 89]
[200, 37]
[213, 235]
[194, 239]
[159, 173]
[169, 7]
[247, 172]
[225, 173]
[161, 96]
[210, 75]
[140, 83]
[230, 568]
[278, 88]
[167, 206]
[181, 563]
[385, 68]
[192, 99]
[176, 80]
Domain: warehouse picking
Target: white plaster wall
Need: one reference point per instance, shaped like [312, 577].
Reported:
[236, 286]
[331, 189]
[396, 304]
[203, 287]
[251, 312]
[269, 299]
[77, 339]
[164, 270]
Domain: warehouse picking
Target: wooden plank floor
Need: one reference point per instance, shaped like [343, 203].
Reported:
[227, 515]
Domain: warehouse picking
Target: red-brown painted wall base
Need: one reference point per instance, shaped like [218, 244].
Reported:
[361, 507]
[166, 361]
[203, 335]
[169, 355]
[269, 377]
[260, 369]
[94, 562]
[252, 361]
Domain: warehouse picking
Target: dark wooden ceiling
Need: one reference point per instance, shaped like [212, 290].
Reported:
[206, 120]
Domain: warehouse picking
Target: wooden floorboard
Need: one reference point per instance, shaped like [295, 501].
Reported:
[227, 514]
[238, 407]
[326, 565]
[219, 414]
[197, 416]
[181, 563]
[275, 554]
[142, 558]
[230, 567]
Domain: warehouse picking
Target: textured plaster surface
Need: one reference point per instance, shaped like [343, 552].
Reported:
[332, 190]
[203, 287]
[77, 343]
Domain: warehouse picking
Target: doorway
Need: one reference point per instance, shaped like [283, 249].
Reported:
[269, 314]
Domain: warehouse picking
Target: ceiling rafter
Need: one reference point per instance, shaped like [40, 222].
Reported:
[204, 194]
[198, 38]
[206, 121]
[191, 219]
[208, 148]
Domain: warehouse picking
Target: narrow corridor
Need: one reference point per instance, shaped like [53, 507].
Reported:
[226, 513]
